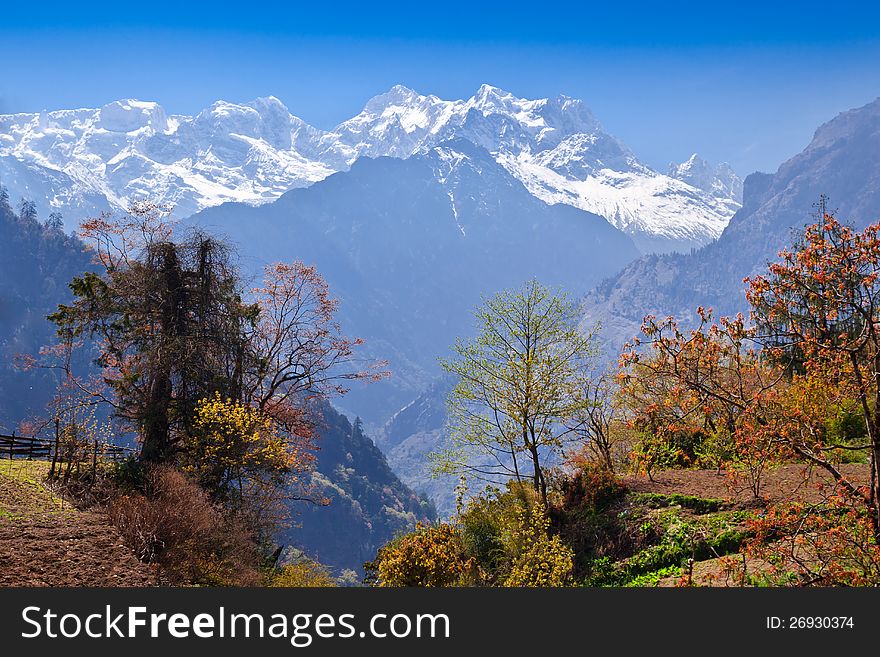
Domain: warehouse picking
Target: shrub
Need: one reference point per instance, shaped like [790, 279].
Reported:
[592, 488]
[502, 538]
[538, 559]
[428, 556]
[585, 522]
[483, 522]
[174, 524]
[304, 573]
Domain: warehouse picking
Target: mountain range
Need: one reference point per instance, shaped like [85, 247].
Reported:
[83, 161]
[410, 246]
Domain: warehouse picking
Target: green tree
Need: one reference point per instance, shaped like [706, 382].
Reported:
[522, 382]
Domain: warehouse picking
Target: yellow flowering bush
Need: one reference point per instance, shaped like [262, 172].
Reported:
[538, 559]
[428, 556]
[233, 445]
[500, 539]
[302, 573]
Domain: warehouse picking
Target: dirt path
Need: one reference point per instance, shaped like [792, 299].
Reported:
[46, 542]
[787, 482]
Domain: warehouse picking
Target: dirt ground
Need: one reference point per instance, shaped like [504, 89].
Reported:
[787, 482]
[44, 541]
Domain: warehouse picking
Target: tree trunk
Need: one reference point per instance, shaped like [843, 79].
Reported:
[154, 447]
[540, 482]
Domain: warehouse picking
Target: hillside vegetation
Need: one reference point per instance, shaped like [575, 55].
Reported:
[759, 440]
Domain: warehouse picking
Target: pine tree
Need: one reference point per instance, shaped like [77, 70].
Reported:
[27, 210]
[55, 221]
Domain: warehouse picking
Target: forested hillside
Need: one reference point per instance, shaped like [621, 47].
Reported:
[39, 260]
[367, 505]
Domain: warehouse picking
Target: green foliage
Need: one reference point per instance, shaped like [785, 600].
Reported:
[520, 381]
[654, 452]
[168, 320]
[699, 505]
[654, 577]
[128, 475]
[845, 427]
[674, 540]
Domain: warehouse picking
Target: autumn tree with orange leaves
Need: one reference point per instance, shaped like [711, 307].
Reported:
[818, 311]
[693, 387]
[769, 388]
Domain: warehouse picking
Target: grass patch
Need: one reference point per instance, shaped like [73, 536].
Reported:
[699, 505]
[23, 491]
[32, 472]
[653, 578]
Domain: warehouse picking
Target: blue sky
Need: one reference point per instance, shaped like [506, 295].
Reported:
[738, 81]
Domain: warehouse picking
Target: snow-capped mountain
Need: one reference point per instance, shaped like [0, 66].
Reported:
[254, 152]
[559, 151]
[720, 180]
[130, 150]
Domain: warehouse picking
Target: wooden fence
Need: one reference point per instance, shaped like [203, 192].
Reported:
[33, 447]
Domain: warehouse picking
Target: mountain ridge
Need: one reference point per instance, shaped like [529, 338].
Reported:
[841, 161]
[255, 151]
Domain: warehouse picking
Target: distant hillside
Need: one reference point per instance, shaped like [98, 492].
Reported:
[36, 265]
[842, 161]
[368, 505]
[409, 437]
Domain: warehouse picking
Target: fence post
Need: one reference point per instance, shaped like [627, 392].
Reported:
[55, 451]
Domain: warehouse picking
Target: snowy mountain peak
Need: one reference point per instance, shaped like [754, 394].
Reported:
[255, 151]
[720, 180]
[489, 98]
[131, 116]
[396, 95]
